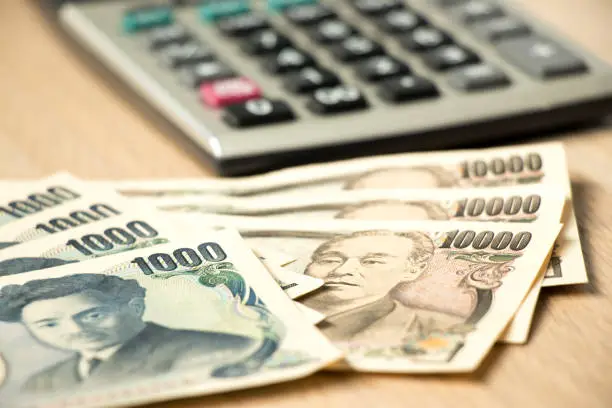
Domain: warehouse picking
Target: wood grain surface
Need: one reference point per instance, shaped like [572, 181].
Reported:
[56, 114]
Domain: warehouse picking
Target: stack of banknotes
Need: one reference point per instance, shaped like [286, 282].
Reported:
[118, 293]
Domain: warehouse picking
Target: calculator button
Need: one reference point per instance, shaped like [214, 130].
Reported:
[500, 28]
[147, 17]
[477, 77]
[450, 3]
[194, 76]
[179, 55]
[162, 36]
[309, 14]
[288, 59]
[399, 21]
[331, 31]
[355, 48]
[278, 5]
[449, 56]
[376, 7]
[310, 78]
[382, 67]
[216, 10]
[242, 25]
[407, 88]
[477, 10]
[540, 57]
[423, 39]
[341, 98]
[229, 91]
[265, 42]
[257, 112]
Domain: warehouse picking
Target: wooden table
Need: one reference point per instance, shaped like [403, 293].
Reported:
[56, 114]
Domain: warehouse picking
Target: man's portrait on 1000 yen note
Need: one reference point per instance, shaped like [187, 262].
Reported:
[97, 320]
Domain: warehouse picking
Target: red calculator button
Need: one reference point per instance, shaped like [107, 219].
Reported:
[229, 91]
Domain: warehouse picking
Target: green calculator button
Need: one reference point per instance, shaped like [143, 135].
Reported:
[277, 5]
[220, 9]
[148, 17]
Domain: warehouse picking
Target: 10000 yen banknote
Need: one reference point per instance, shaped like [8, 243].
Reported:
[542, 164]
[411, 296]
[502, 166]
[513, 204]
[189, 318]
[517, 331]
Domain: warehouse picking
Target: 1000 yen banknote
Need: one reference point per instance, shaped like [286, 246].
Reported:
[87, 209]
[124, 233]
[412, 297]
[189, 318]
[541, 164]
[108, 237]
[22, 200]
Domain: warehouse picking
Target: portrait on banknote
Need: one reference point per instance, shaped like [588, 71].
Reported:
[396, 293]
[394, 210]
[404, 177]
[99, 320]
[88, 330]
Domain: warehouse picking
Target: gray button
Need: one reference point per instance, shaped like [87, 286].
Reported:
[449, 3]
[477, 77]
[501, 28]
[540, 57]
[476, 10]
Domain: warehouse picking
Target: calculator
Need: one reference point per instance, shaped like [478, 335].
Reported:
[258, 85]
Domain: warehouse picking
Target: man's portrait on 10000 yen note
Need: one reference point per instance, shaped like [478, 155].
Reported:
[381, 290]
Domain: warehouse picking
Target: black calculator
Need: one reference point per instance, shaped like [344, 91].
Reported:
[258, 85]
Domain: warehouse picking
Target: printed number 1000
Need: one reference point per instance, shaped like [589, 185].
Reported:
[186, 257]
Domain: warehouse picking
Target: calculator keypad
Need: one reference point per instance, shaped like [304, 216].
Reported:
[287, 38]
